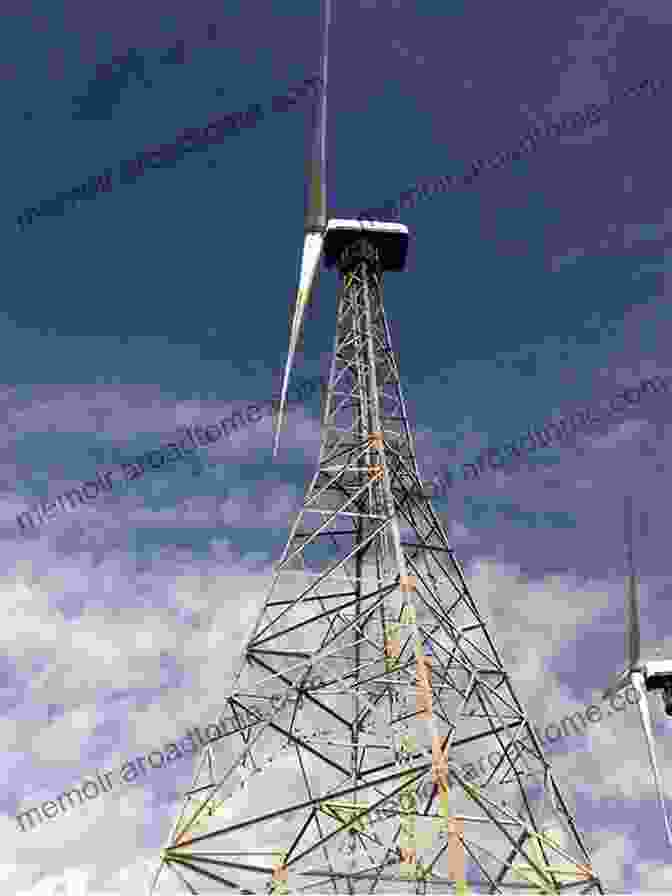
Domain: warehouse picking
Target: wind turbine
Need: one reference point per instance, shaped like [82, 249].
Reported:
[366, 649]
[652, 675]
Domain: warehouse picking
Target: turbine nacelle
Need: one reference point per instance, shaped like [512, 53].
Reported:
[658, 677]
[389, 237]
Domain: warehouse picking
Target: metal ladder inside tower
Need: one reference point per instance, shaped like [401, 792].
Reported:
[453, 827]
[407, 616]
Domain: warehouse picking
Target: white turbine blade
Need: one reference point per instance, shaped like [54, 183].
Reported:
[315, 215]
[632, 634]
[638, 683]
[310, 260]
[316, 174]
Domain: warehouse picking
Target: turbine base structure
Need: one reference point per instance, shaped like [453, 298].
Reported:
[369, 679]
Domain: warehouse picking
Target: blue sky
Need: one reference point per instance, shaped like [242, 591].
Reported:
[541, 288]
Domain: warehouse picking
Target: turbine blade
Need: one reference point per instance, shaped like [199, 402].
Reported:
[316, 174]
[315, 216]
[645, 716]
[632, 638]
[632, 633]
[310, 260]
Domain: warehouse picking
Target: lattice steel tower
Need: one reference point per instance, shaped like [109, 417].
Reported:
[370, 677]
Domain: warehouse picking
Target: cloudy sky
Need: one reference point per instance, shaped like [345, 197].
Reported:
[540, 289]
